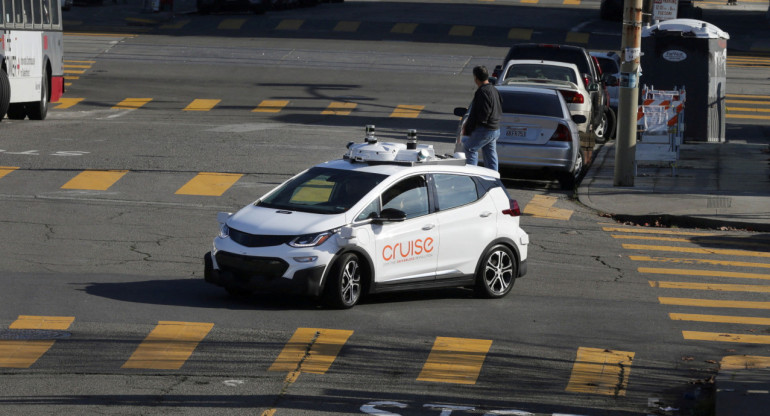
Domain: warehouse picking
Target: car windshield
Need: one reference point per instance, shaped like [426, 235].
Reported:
[540, 71]
[531, 103]
[322, 191]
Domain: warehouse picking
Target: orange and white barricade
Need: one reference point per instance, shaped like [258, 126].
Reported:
[660, 125]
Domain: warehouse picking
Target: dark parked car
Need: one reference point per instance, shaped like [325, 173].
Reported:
[591, 75]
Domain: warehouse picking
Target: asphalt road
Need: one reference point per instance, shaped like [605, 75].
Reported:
[122, 262]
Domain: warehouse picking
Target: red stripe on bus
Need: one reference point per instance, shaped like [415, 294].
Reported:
[57, 88]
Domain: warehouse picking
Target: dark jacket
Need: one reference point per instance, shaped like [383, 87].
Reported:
[486, 109]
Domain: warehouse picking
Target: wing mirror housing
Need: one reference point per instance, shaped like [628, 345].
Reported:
[389, 215]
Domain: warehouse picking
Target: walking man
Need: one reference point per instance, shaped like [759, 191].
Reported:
[482, 129]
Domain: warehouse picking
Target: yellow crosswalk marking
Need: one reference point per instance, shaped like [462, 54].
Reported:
[600, 371]
[722, 319]
[700, 261]
[70, 78]
[339, 109]
[577, 37]
[231, 24]
[541, 206]
[530, 1]
[346, 26]
[694, 250]
[75, 66]
[65, 103]
[521, 34]
[747, 96]
[461, 30]
[571, 2]
[455, 360]
[24, 353]
[655, 231]
[749, 110]
[744, 102]
[201, 105]
[711, 286]
[209, 184]
[169, 345]
[131, 103]
[4, 170]
[721, 337]
[311, 350]
[711, 240]
[177, 25]
[744, 362]
[95, 180]
[271, 106]
[407, 111]
[290, 24]
[748, 116]
[711, 303]
[79, 62]
[404, 28]
[708, 273]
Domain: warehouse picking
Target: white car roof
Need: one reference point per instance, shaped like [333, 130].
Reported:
[541, 61]
[393, 169]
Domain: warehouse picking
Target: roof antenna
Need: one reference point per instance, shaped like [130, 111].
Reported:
[411, 139]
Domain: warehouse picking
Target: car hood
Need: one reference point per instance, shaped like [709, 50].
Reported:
[271, 221]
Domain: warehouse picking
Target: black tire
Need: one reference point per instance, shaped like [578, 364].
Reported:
[344, 285]
[497, 272]
[17, 111]
[38, 110]
[5, 93]
[612, 124]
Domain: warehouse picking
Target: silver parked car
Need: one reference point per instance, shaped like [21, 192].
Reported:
[537, 133]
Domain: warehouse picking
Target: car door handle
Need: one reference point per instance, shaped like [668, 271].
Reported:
[485, 214]
[428, 227]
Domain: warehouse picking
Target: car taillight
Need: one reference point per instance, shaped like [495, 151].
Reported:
[561, 134]
[586, 80]
[513, 210]
[572, 97]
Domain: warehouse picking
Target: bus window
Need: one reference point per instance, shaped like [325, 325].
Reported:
[55, 12]
[18, 12]
[2, 13]
[37, 11]
[46, 11]
[28, 11]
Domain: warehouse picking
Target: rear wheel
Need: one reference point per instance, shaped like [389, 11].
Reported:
[497, 272]
[568, 180]
[5, 93]
[601, 130]
[38, 110]
[343, 289]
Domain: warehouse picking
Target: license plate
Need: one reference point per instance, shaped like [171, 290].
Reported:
[516, 132]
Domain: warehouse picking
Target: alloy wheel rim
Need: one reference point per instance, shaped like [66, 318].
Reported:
[498, 272]
[351, 282]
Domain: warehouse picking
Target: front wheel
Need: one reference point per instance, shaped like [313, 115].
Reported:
[497, 272]
[343, 289]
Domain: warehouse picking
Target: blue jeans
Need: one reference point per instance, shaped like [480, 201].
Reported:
[483, 139]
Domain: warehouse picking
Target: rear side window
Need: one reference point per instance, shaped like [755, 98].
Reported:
[609, 66]
[454, 190]
[530, 103]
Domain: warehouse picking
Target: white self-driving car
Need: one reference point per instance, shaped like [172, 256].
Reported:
[386, 217]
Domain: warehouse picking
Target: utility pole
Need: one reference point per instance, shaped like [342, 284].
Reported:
[631, 51]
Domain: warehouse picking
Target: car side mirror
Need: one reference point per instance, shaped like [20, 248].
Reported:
[460, 111]
[593, 87]
[579, 118]
[493, 80]
[389, 215]
[612, 80]
[496, 72]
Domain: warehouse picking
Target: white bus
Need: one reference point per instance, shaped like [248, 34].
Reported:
[31, 55]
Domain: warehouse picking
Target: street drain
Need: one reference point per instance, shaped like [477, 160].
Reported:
[32, 334]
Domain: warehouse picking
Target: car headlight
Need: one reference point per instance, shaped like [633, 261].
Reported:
[311, 240]
[224, 231]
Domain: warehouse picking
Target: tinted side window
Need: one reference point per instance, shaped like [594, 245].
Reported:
[410, 196]
[519, 102]
[454, 190]
[609, 66]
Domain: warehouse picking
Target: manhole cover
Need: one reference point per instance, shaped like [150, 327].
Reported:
[32, 334]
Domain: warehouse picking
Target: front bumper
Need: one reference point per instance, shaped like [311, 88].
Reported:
[264, 274]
